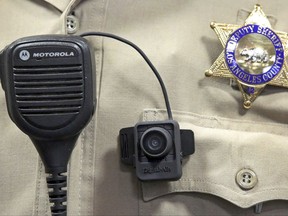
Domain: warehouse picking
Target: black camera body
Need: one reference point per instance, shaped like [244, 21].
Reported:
[156, 149]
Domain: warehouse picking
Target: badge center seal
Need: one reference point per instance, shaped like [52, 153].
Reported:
[254, 54]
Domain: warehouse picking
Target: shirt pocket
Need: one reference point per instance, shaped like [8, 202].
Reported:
[223, 149]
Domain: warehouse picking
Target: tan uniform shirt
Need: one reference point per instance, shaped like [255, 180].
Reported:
[175, 34]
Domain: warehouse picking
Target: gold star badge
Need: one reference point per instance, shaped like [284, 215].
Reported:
[254, 55]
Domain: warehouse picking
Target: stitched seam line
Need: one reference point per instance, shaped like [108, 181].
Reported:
[38, 182]
[80, 172]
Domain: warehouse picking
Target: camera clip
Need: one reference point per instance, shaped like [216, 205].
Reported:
[156, 149]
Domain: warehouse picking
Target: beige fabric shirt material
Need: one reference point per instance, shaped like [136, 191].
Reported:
[61, 5]
[176, 36]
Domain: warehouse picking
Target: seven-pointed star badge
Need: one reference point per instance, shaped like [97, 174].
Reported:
[254, 55]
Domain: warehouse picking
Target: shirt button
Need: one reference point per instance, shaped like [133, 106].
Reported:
[246, 179]
[72, 24]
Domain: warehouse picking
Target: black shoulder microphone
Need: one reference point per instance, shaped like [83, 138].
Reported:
[49, 85]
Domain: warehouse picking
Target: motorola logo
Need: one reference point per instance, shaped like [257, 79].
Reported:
[24, 55]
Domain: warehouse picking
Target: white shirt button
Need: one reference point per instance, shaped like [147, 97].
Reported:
[72, 24]
[246, 179]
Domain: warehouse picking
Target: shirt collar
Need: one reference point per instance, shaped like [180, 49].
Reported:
[59, 4]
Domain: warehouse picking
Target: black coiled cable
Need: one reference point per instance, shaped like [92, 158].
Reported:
[57, 183]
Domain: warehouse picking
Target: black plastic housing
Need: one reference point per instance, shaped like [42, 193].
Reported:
[50, 91]
[163, 168]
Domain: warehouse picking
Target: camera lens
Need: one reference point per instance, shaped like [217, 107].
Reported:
[156, 142]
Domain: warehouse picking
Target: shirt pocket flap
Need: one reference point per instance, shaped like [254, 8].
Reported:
[223, 149]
